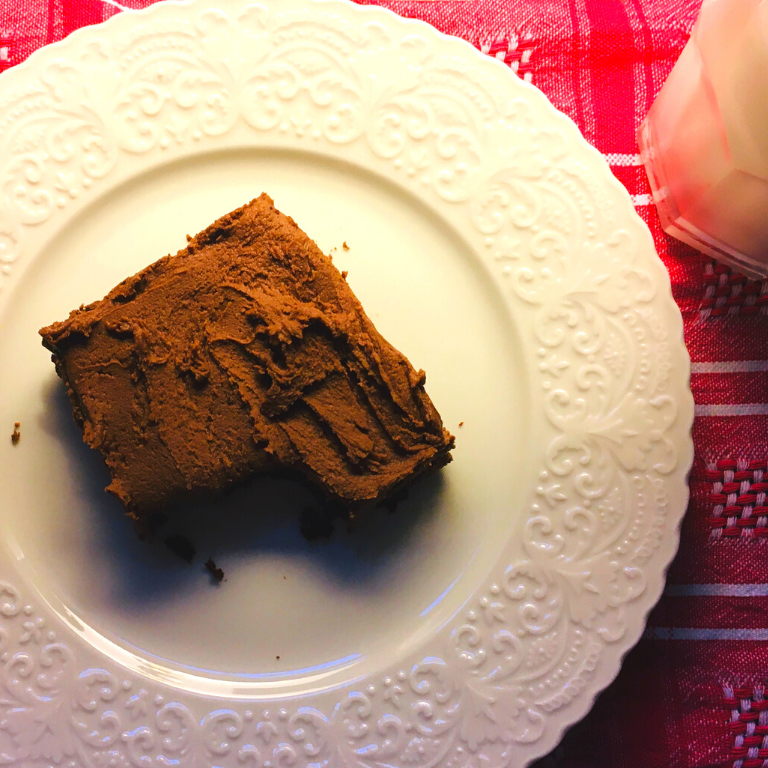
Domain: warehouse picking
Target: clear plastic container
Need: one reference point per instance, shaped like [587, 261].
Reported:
[704, 143]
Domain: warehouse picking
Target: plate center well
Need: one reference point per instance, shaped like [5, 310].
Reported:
[288, 608]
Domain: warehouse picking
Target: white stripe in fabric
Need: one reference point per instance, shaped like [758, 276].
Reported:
[738, 409]
[617, 159]
[731, 366]
[644, 199]
[717, 590]
[684, 633]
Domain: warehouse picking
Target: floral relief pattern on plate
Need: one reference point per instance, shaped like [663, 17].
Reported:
[539, 207]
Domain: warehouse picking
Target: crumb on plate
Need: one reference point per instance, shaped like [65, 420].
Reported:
[314, 525]
[214, 570]
[16, 435]
[390, 504]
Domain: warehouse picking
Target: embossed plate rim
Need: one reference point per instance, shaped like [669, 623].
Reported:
[340, 730]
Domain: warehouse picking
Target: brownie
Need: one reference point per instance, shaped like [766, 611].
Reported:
[244, 353]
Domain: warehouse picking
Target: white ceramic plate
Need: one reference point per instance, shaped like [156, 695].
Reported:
[487, 241]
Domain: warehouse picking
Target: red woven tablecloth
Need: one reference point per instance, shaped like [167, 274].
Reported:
[690, 694]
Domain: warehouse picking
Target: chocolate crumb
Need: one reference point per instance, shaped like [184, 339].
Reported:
[317, 523]
[180, 546]
[277, 657]
[392, 502]
[344, 274]
[214, 570]
[345, 246]
[461, 423]
[16, 435]
[314, 525]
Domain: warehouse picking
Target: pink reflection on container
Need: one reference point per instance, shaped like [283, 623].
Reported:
[704, 143]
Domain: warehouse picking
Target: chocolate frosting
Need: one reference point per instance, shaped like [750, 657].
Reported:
[245, 352]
